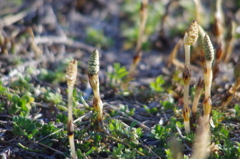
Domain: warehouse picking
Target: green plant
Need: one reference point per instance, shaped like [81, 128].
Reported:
[118, 75]
[55, 98]
[23, 83]
[25, 127]
[97, 37]
[126, 110]
[21, 105]
[237, 109]
[122, 152]
[52, 76]
[150, 110]
[157, 84]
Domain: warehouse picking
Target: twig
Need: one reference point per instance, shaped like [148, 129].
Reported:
[51, 149]
[149, 149]
[62, 40]
[180, 64]
[27, 149]
[10, 19]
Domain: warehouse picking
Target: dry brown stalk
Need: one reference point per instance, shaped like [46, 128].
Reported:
[199, 11]
[226, 100]
[135, 62]
[35, 48]
[235, 87]
[218, 21]
[71, 75]
[197, 96]
[4, 46]
[143, 19]
[93, 70]
[218, 57]
[230, 42]
[173, 54]
[138, 55]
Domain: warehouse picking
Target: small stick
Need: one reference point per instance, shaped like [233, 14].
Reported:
[59, 152]
[71, 78]
[35, 48]
[218, 21]
[173, 54]
[197, 96]
[199, 11]
[143, 19]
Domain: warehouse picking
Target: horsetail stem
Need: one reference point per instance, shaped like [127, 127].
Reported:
[208, 75]
[93, 70]
[186, 109]
[71, 75]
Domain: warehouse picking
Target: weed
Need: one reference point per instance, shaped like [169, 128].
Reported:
[157, 84]
[118, 75]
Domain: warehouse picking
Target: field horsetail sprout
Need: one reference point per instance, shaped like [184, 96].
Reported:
[208, 75]
[190, 38]
[138, 51]
[71, 78]
[93, 70]
[235, 87]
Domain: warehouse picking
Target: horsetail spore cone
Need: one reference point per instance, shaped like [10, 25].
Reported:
[71, 75]
[208, 48]
[93, 69]
[192, 34]
[93, 64]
